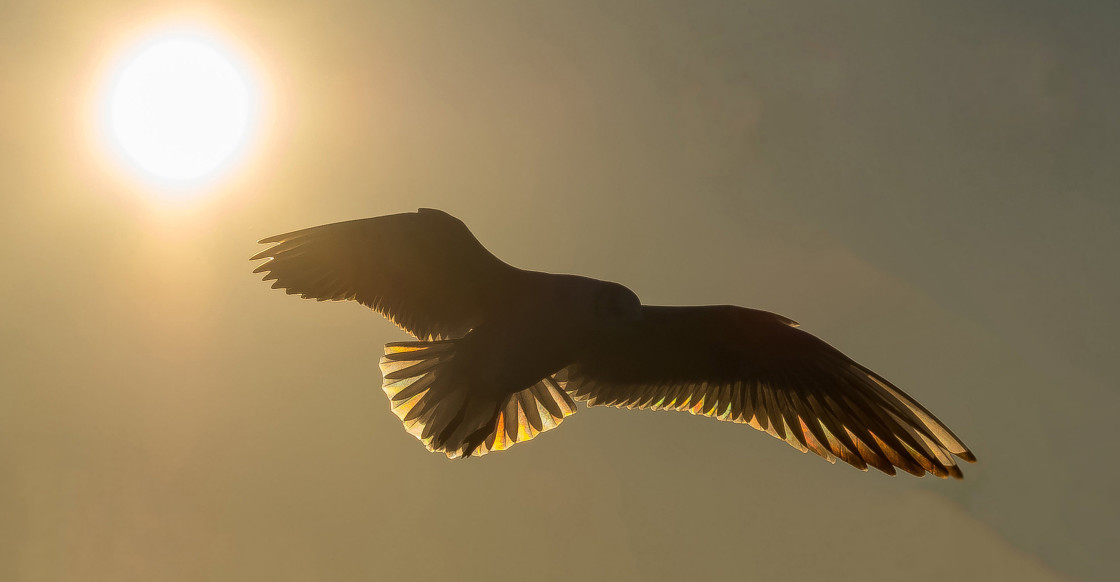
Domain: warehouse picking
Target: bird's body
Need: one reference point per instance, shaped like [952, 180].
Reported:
[504, 352]
[522, 362]
[535, 340]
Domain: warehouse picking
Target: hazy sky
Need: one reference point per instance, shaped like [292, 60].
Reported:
[931, 187]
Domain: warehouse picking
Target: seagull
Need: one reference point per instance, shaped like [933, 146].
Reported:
[503, 354]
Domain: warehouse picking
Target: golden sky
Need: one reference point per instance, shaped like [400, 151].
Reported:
[929, 187]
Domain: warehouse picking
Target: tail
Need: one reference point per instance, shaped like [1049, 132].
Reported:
[448, 417]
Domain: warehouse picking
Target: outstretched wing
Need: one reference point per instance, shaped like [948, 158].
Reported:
[755, 367]
[423, 270]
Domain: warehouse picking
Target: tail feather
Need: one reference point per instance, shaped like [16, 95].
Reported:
[542, 406]
[448, 417]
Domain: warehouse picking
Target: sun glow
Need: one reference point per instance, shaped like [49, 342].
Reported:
[180, 107]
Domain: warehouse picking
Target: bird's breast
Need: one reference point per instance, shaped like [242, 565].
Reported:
[531, 339]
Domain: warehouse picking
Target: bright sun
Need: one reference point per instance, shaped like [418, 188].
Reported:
[180, 108]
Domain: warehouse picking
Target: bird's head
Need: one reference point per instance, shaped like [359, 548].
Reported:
[617, 305]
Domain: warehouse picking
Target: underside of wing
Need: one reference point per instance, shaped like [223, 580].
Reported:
[755, 367]
[423, 270]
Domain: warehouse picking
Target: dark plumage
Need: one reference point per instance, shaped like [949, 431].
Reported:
[504, 353]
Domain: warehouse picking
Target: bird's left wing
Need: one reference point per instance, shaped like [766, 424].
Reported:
[756, 367]
[423, 270]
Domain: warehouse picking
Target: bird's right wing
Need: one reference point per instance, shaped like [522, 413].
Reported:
[423, 270]
[756, 367]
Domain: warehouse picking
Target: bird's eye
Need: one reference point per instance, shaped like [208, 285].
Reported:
[618, 303]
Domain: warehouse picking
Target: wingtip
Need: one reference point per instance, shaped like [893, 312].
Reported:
[968, 456]
[262, 255]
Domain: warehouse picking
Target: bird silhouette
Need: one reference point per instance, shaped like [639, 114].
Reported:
[503, 354]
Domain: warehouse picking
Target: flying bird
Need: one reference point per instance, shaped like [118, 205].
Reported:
[503, 354]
